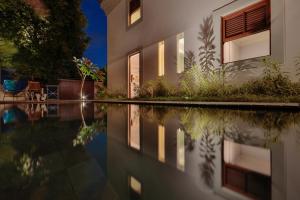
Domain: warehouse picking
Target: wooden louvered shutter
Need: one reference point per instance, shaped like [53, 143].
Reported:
[235, 26]
[134, 5]
[253, 19]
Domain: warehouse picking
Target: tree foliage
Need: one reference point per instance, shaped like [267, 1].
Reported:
[46, 44]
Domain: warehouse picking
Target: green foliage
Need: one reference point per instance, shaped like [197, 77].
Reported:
[46, 44]
[7, 51]
[273, 83]
[88, 132]
[156, 88]
[87, 69]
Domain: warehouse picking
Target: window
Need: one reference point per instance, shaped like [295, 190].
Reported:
[246, 33]
[135, 11]
[161, 58]
[180, 53]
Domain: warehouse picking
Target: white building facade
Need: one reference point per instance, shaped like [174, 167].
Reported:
[149, 38]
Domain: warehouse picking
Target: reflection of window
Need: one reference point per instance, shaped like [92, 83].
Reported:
[161, 58]
[180, 53]
[161, 143]
[247, 169]
[135, 188]
[134, 140]
[180, 150]
[246, 33]
[135, 11]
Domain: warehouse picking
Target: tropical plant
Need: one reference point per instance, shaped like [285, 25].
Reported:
[273, 83]
[207, 49]
[87, 69]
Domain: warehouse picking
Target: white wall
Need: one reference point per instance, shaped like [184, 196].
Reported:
[164, 19]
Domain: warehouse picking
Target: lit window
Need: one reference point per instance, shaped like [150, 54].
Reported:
[180, 53]
[161, 143]
[161, 58]
[252, 46]
[135, 11]
[180, 150]
[246, 33]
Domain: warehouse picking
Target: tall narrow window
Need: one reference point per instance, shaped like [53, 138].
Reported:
[180, 150]
[161, 143]
[161, 58]
[180, 53]
[246, 33]
[135, 11]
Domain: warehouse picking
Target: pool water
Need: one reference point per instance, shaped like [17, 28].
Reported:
[132, 152]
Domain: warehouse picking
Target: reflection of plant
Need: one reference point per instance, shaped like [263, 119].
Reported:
[207, 152]
[207, 50]
[88, 132]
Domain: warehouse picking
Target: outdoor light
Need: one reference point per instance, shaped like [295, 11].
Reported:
[83, 97]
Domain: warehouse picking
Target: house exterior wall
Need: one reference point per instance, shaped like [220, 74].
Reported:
[164, 20]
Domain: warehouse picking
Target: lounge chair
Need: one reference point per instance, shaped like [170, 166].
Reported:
[14, 88]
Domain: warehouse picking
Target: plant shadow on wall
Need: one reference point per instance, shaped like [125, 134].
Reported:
[209, 79]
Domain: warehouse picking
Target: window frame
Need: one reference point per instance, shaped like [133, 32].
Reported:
[241, 11]
[178, 38]
[161, 58]
[129, 24]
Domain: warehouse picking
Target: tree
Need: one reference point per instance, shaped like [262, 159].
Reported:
[46, 44]
[87, 69]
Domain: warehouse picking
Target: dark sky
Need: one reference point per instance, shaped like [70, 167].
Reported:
[97, 31]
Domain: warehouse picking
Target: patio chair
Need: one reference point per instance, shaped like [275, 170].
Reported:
[33, 88]
[13, 87]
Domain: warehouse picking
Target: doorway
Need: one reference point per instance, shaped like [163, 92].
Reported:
[134, 62]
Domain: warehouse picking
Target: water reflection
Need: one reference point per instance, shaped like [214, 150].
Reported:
[102, 151]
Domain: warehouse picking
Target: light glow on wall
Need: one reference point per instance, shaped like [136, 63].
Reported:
[161, 58]
[180, 53]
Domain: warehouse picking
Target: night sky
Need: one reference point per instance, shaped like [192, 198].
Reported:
[97, 31]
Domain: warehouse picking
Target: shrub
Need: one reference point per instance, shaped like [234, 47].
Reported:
[273, 83]
[156, 88]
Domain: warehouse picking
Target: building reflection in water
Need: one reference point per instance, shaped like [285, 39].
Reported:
[228, 150]
[180, 150]
[134, 138]
[135, 188]
[247, 170]
[161, 143]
